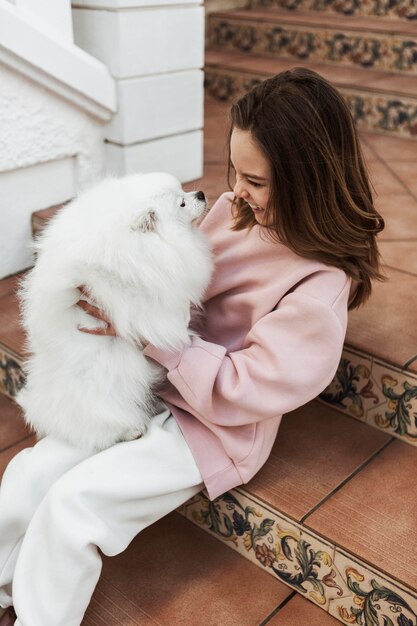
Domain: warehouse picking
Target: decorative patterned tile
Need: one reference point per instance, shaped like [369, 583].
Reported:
[371, 111]
[377, 393]
[370, 598]
[349, 589]
[11, 374]
[268, 34]
[398, 412]
[394, 9]
[353, 391]
[273, 542]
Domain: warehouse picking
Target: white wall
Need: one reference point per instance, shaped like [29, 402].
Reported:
[49, 150]
[37, 125]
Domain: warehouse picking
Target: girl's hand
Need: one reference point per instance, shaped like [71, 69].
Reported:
[108, 331]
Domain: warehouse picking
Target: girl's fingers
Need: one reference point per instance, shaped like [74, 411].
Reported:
[92, 310]
[98, 314]
[109, 331]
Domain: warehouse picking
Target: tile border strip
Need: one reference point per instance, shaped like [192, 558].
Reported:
[330, 577]
[388, 52]
[375, 392]
[11, 374]
[391, 114]
[364, 387]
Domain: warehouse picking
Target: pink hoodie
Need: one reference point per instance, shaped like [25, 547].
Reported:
[274, 328]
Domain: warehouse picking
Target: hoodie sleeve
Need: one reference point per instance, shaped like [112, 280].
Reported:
[291, 355]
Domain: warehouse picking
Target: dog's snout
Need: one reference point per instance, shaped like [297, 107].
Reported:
[200, 195]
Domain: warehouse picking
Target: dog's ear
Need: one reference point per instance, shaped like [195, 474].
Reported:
[145, 223]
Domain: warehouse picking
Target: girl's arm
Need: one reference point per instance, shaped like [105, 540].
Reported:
[292, 354]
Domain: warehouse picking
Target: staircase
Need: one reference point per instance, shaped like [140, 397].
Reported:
[332, 516]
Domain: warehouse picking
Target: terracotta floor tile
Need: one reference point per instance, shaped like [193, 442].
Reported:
[12, 425]
[386, 325]
[328, 20]
[215, 129]
[400, 254]
[315, 450]
[213, 182]
[374, 514]
[395, 84]
[368, 152]
[301, 612]
[175, 573]
[384, 180]
[392, 148]
[341, 76]
[400, 215]
[9, 285]
[406, 172]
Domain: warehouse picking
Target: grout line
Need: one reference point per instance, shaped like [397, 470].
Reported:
[279, 607]
[407, 363]
[397, 269]
[408, 190]
[346, 480]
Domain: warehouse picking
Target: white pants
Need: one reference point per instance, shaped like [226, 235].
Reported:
[58, 505]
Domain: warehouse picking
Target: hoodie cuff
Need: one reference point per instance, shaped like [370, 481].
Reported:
[168, 358]
[172, 358]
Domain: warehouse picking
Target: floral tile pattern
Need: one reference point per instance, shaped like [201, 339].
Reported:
[270, 540]
[400, 9]
[375, 392]
[370, 599]
[348, 589]
[398, 413]
[371, 111]
[389, 52]
[11, 374]
[351, 391]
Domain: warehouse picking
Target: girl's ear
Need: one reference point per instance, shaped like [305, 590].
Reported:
[145, 223]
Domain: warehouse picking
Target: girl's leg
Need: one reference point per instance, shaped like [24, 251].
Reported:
[25, 482]
[103, 502]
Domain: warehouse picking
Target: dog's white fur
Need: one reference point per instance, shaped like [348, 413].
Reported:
[143, 261]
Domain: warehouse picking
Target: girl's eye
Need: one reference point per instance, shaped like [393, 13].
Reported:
[254, 184]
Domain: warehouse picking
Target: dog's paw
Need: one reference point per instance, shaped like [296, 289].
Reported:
[130, 435]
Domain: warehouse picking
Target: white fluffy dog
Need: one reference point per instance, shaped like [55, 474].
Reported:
[134, 244]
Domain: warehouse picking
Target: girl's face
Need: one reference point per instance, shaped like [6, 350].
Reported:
[252, 170]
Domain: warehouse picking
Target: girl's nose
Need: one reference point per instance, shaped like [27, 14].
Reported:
[240, 191]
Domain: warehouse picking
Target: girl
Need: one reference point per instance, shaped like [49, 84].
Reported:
[295, 248]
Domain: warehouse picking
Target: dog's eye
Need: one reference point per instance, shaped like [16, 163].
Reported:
[182, 203]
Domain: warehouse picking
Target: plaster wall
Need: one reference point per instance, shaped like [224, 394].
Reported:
[49, 151]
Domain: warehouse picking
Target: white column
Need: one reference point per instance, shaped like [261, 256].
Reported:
[53, 16]
[155, 51]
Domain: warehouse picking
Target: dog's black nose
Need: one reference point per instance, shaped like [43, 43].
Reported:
[200, 195]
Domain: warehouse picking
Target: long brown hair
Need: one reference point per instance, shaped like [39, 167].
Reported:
[320, 204]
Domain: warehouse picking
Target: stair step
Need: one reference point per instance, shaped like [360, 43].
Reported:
[319, 18]
[380, 102]
[397, 10]
[377, 366]
[315, 518]
[330, 514]
[325, 38]
[188, 573]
